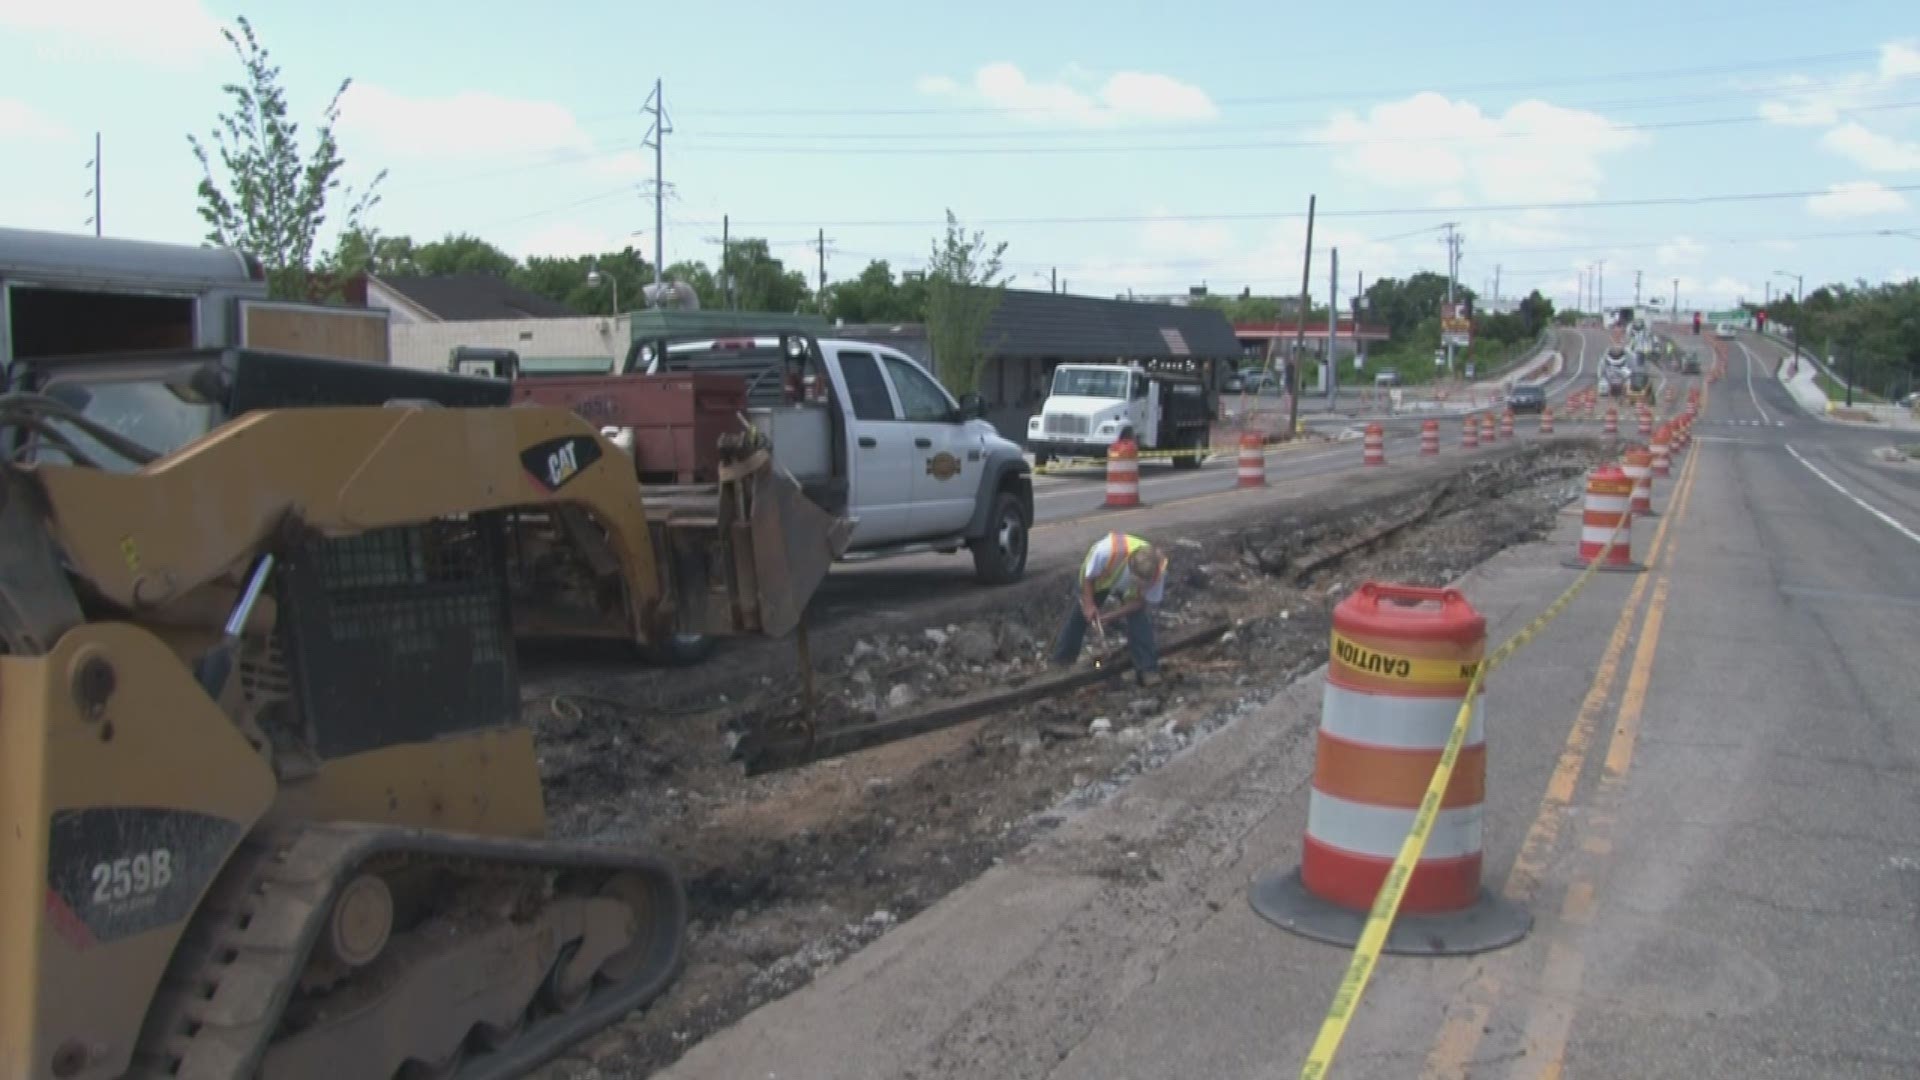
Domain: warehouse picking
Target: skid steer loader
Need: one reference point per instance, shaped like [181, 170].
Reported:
[269, 808]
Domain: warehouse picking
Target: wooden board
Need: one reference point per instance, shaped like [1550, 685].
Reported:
[315, 330]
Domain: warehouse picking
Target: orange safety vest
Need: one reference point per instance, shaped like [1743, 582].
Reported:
[1122, 548]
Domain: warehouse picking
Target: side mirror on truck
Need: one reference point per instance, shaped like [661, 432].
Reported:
[973, 406]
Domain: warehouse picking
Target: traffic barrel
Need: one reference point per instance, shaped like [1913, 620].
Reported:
[1638, 465]
[1253, 462]
[1402, 661]
[1374, 450]
[1429, 438]
[1123, 474]
[1546, 420]
[1470, 433]
[1662, 443]
[1488, 432]
[1686, 431]
[1506, 424]
[1613, 422]
[1646, 423]
[1608, 514]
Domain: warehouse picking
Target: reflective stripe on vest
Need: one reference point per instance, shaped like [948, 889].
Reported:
[1123, 547]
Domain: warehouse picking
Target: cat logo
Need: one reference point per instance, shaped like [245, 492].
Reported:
[556, 461]
[943, 466]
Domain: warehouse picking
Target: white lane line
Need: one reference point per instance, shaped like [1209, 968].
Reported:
[1750, 391]
[1858, 501]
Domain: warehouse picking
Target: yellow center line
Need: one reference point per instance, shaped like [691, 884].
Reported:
[1551, 1023]
[1460, 1034]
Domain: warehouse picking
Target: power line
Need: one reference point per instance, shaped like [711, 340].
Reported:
[1201, 128]
[1853, 56]
[1319, 142]
[1282, 215]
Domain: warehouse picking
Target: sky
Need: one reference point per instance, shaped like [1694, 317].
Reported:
[1116, 146]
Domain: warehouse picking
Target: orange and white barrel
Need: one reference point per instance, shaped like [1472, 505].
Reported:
[1123, 474]
[1252, 471]
[1374, 449]
[1506, 424]
[1470, 433]
[1637, 463]
[1401, 661]
[1546, 420]
[1662, 450]
[1613, 422]
[1609, 507]
[1429, 438]
[1489, 431]
[1646, 423]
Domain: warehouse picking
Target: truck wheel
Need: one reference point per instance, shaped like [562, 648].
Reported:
[1194, 443]
[1041, 459]
[1000, 557]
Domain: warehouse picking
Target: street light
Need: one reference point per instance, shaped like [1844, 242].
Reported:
[595, 277]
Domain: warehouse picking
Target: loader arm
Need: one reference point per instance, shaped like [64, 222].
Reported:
[144, 538]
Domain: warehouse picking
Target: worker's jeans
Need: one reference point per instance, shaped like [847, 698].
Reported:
[1139, 637]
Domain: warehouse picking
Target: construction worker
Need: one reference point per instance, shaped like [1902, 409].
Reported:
[1132, 571]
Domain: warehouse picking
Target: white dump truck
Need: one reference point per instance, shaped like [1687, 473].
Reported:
[1092, 406]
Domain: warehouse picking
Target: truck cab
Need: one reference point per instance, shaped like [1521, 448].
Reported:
[1092, 406]
[868, 433]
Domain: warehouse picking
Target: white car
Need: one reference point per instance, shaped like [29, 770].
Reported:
[1724, 330]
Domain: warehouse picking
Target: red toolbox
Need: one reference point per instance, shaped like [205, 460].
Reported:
[677, 419]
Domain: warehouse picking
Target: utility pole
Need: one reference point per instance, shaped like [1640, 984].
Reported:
[1496, 286]
[1600, 290]
[1053, 280]
[1331, 367]
[656, 139]
[1636, 289]
[1676, 299]
[1300, 326]
[726, 256]
[1453, 269]
[95, 192]
[820, 246]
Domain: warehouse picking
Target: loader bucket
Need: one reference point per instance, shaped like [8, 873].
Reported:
[782, 542]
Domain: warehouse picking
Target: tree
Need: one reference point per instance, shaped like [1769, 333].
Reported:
[463, 254]
[1536, 311]
[964, 286]
[877, 297]
[565, 279]
[269, 201]
[761, 282]
[363, 250]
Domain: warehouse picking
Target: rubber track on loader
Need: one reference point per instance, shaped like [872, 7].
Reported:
[231, 979]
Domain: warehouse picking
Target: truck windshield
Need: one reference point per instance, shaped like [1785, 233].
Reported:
[1090, 382]
[152, 414]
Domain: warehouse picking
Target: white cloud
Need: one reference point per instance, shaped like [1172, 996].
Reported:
[1872, 150]
[1528, 228]
[1125, 97]
[166, 33]
[569, 240]
[1800, 101]
[1533, 151]
[472, 124]
[19, 120]
[1855, 198]
[1679, 251]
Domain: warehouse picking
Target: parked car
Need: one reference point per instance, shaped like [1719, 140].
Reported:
[1252, 382]
[1527, 398]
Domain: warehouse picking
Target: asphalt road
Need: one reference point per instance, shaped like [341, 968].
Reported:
[1702, 783]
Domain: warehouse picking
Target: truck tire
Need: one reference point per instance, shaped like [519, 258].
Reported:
[1000, 556]
[1194, 442]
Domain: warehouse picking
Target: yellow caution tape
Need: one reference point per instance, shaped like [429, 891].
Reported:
[1386, 903]
[1065, 462]
[1403, 668]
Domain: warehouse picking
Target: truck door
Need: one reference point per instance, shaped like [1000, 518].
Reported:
[881, 461]
[1156, 419]
[947, 458]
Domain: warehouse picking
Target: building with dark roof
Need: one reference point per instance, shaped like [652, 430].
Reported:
[1030, 333]
[460, 298]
